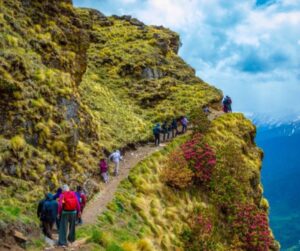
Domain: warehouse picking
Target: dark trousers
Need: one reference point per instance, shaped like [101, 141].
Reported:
[174, 132]
[157, 139]
[47, 228]
[184, 128]
[67, 227]
[164, 135]
[79, 219]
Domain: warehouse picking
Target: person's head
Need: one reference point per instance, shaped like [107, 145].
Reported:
[118, 151]
[49, 196]
[59, 190]
[65, 188]
[102, 160]
[79, 188]
[157, 125]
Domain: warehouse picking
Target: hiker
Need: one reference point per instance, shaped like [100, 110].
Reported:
[116, 157]
[82, 201]
[49, 215]
[156, 132]
[206, 110]
[227, 104]
[165, 130]
[68, 211]
[104, 170]
[40, 209]
[174, 128]
[184, 123]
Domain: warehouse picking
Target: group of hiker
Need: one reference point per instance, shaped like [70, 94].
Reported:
[63, 209]
[169, 129]
[115, 157]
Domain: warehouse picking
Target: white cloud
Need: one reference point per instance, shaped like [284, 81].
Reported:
[251, 52]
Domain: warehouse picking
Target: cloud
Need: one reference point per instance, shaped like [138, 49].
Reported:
[250, 49]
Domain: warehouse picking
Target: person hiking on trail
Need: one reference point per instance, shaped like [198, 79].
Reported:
[104, 170]
[206, 110]
[227, 104]
[156, 132]
[184, 123]
[116, 157]
[40, 209]
[165, 130]
[174, 128]
[49, 215]
[68, 211]
[82, 201]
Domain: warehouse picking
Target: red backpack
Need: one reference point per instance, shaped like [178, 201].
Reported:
[69, 201]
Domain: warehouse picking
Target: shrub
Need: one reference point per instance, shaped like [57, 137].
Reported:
[199, 120]
[199, 236]
[200, 157]
[252, 227]
[17, 143]
[176, 173]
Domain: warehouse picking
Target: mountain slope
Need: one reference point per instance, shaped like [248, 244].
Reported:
[75, 84]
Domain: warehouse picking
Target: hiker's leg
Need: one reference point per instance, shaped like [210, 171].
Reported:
[117, 167]
[57, 224]
[72, 221]
[103, 177]
[44, 227]
[49, 227]
[62, 238]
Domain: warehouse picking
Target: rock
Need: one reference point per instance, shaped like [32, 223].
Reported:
[136, 22]
[71, 111]
[19, 236]
[152, 73]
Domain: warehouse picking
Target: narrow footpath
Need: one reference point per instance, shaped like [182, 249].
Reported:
[97, 205]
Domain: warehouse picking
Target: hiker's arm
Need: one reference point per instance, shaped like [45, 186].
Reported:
[39, 209]
[60, 205]
[78, 209]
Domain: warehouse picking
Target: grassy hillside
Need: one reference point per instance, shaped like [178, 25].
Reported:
[74, 83]
[149, 214]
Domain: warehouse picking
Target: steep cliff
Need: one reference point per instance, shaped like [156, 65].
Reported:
[75, 84]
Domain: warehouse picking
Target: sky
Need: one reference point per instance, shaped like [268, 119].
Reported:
[249, 49]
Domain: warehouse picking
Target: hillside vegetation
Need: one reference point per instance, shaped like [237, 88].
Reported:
[73, 85]
[223, 211]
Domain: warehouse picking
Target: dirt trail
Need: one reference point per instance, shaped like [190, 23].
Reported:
[98, 204]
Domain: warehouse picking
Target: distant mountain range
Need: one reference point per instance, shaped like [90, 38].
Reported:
[280, 177]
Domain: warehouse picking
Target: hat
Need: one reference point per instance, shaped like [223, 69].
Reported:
[66, 188]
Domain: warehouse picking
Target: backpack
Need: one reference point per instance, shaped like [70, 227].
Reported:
[69, 201]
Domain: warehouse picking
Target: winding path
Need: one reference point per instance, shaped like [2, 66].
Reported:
[98, 204]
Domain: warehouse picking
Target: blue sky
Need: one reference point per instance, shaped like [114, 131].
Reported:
[249, 49]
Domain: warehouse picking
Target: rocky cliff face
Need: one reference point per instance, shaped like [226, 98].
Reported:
[74, 84]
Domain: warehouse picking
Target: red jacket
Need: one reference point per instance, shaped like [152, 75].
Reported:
[103, 166]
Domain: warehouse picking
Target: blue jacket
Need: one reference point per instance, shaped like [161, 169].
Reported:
[50, 209]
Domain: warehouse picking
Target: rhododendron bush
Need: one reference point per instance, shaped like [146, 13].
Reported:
[199, 236]
[201, 158]
[177, 173]
[252, 227]
[193, 161]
